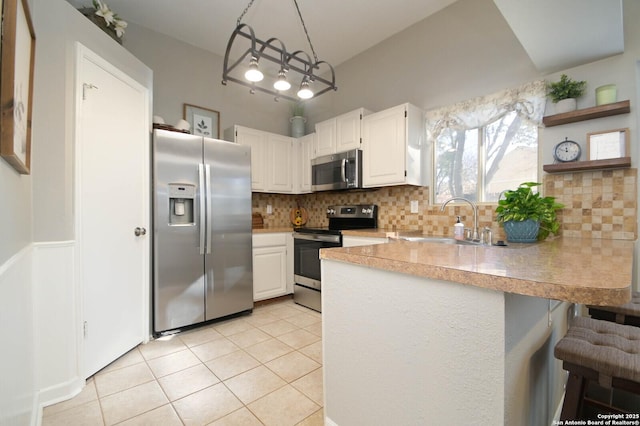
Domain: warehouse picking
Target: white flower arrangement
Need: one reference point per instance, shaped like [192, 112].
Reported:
[110, 18]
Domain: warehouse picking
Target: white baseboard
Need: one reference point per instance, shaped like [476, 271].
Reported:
[54, 394]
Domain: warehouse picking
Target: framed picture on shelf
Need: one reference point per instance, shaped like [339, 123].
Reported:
[608, 144]
[203, 121]
[16, 84]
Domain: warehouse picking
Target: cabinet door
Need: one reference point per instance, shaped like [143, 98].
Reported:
[384, 147]
[325, 138]
[279, 164]
[348, 131]
[257, 140]
[269, 272]
[305, 149]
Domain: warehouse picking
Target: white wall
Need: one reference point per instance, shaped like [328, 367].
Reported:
[38, 292]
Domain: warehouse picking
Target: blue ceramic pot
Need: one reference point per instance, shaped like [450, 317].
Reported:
[525, 231]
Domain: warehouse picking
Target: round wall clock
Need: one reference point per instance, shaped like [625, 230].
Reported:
[567, 151]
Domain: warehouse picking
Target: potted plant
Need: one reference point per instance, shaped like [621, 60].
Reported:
[563, 93]
[108, 21]
[523, 208]
[297, 120]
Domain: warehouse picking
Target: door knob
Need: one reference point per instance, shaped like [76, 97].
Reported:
[139, 231]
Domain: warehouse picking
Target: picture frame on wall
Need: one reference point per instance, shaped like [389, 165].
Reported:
[203, 121]
[16, 84]
[608, 144]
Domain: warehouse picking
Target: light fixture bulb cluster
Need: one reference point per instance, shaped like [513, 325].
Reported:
[315, 76]
[281, 84]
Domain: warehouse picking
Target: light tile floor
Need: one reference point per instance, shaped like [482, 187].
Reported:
[258, 369]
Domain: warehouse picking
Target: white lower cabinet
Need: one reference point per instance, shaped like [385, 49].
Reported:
[272, 265]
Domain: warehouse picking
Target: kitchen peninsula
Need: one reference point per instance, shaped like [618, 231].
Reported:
[431, 333]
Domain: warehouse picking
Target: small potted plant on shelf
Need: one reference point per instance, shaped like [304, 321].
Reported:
[528, 217]
[563, 93]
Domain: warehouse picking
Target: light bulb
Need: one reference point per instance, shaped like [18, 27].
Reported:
[253, 73]
[281, 83]
[305, 92]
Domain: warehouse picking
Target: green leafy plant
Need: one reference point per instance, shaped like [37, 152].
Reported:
[522, 204]
[566, 88]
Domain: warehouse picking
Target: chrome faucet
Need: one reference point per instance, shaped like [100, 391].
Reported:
[475, 234]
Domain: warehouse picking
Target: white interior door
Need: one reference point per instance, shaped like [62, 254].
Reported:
[112, 165]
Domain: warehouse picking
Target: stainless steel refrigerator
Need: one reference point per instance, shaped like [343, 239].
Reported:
[202, 262]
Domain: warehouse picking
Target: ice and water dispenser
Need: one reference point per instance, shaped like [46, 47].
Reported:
[181, 200]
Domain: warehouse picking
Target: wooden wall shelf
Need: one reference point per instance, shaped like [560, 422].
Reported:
[607, 110]
[611, 163]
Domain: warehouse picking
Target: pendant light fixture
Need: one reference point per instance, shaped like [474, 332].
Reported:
[269, 68]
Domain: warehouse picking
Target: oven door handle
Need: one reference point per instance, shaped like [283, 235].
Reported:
[317, 237]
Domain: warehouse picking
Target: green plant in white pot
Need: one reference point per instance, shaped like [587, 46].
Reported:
[564, 93]
[523, 208]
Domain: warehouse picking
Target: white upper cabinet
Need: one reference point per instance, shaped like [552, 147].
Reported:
[256, 139]
[279, 163]
[339, 134]
[271, 158]
[325, 142]
[394, 148]
[303, 153]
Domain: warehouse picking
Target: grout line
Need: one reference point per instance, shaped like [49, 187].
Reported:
[266, 308]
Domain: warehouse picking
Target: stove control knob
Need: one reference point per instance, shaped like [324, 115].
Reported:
[366, 210]
[330, 211]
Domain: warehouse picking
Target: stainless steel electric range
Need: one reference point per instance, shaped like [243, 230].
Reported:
[308, 241]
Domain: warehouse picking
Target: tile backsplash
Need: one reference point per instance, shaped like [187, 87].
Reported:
[598, 204]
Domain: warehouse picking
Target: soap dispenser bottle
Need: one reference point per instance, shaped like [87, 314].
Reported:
[458, 230]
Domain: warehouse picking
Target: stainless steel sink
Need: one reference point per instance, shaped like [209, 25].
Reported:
[448, 240]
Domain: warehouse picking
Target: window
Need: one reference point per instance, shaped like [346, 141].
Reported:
[480, 163]
[486, 145]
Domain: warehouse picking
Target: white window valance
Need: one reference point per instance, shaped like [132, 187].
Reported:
[528, 101]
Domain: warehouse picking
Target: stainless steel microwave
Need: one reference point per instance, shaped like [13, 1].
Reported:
[337, 171]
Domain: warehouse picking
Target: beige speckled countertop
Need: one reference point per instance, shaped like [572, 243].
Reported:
[379, 232]
[587, 271]
[272, 230]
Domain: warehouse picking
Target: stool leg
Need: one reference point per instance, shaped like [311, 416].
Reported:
[573, 397]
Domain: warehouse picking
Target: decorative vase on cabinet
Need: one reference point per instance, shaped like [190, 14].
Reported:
[297, 126]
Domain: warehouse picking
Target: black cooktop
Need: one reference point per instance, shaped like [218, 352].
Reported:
[361, 216]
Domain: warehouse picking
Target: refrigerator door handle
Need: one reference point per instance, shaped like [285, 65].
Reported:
[209, 215]
[203, 197]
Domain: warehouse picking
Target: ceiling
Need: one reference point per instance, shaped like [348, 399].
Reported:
[339, 29]
[562, 34]
[555, 34]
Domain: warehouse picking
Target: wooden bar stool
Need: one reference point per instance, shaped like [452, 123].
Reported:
[600, 351]
[628, 313]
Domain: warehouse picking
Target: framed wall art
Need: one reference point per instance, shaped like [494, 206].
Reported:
[16, 84]
[608, 144]
[203, 121]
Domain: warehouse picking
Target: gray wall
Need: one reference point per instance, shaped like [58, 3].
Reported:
[58, 27]
[463, 51]
[187, 74]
